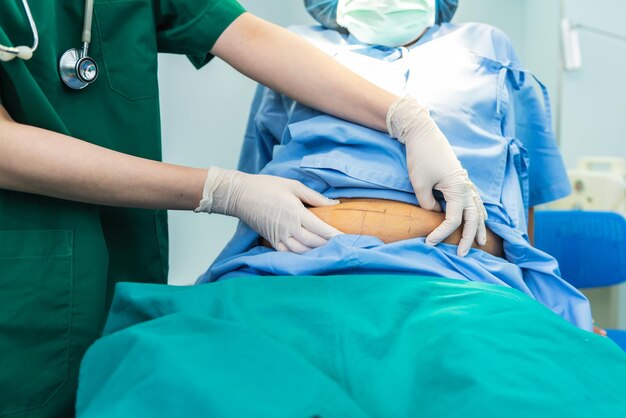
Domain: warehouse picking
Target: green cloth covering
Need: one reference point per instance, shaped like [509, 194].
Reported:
[346, 346]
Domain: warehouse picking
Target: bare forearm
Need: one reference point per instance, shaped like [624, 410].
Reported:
[283, 61]
[37, 161]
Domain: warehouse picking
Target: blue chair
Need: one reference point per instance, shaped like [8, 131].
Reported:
[589, 246]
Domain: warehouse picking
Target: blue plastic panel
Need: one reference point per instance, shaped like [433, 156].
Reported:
[589, 246]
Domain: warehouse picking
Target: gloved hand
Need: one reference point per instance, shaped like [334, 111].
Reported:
[433, 165]
[270, 205]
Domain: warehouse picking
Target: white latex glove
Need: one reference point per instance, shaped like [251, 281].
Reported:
[433, 165]
[270, 205]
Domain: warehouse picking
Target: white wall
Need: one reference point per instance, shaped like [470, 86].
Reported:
[203, 118]
[593, 118]
[508, 15]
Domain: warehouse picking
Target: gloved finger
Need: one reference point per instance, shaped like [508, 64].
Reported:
[313, 198]
[454, 215]
[426, 200]
[310, 239]
[281, 247]
[481, 235]
[470, 227]
[479, 203]
[316, 226]
[296, 246]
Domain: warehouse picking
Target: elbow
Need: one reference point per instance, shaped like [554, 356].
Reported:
[4, 115]
[5, 120]
[6, 123]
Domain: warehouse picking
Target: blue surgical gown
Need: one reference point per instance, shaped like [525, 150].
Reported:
[495, 115]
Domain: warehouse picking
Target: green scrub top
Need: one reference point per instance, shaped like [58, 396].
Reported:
[59, 259]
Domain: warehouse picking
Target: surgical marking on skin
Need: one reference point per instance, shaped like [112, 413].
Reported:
[372, 210]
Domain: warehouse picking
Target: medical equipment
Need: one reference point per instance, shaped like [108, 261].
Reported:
[598, 183]
[572, 56]
[24, 52]
[571, 46]
[76, 68]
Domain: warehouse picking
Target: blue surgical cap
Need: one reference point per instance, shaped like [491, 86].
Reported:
[445, 10]
[325, 12]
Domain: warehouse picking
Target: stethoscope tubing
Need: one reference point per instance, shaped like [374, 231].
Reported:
[15, 50]
[76, 68]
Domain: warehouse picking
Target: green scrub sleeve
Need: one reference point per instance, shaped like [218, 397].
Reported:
[191, 27]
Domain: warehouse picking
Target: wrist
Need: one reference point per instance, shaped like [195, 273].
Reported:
[405, 115]
[218, 189]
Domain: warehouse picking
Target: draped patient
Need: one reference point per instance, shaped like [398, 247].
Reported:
[469, 79]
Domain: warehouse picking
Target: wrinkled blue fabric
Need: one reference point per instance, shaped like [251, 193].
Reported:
[325, 12]
[498, 124]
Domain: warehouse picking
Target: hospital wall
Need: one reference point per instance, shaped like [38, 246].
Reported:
[593, 116]
[204, 112]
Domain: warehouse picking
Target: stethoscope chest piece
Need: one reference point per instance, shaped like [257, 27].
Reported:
[77, 70]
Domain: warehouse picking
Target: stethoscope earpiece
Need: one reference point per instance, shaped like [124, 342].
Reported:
[8, 53]
[24, 52]
[6, 56]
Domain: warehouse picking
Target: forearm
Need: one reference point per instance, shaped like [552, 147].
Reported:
[37, 161]
[284, 62]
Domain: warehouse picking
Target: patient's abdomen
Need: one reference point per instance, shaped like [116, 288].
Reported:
[392, 221]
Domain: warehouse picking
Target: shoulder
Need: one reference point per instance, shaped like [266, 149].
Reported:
[486, 40]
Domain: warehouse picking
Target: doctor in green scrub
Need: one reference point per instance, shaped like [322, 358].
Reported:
[83, 194]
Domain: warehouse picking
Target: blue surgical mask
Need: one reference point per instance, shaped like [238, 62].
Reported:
[389, 23]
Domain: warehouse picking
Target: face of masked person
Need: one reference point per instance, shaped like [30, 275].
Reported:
[386, 22]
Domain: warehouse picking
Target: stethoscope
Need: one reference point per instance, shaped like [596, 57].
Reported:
[76, 68]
